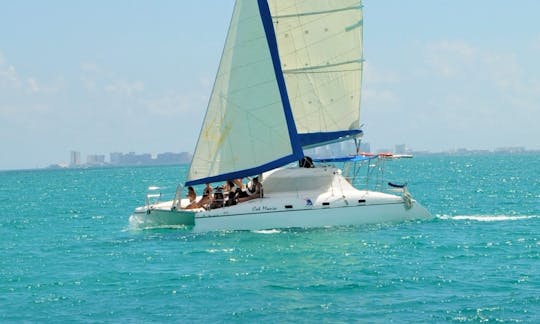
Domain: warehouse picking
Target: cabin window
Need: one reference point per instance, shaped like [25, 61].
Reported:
[326, 204]
[288, 206]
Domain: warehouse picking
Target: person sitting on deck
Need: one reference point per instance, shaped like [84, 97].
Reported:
[228, 186]
[256, 191]
[239, 184]
[192, 196]
[240, 192]
[218, 199]
[306, 162]
[206, 198]
[231, 193]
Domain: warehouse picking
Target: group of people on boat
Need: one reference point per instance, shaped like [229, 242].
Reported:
[228, 194]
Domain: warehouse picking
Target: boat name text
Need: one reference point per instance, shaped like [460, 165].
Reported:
[263, 208]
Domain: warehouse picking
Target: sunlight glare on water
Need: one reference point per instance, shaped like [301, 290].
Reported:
[69, 253]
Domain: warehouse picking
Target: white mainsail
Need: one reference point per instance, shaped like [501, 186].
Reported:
[248, 127]
[320, 47]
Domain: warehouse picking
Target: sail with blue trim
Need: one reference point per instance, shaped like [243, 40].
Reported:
[320, 47]
[248, 128]
[289, 79]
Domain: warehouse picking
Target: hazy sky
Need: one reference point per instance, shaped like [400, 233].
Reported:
[105, 76]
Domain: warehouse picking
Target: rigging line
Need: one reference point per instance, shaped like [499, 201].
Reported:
[299, 71]
[319, 67]
[313, 13]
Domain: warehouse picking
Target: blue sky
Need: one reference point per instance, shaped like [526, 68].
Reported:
[106, 76]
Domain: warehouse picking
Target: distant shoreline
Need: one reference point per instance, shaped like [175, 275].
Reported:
[457, 153]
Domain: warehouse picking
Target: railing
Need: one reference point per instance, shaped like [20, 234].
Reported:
[152, 198]
[177, 201]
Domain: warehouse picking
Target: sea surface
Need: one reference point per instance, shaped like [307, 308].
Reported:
[68, 253]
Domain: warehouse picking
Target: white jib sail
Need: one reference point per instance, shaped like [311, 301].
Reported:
[320, 46]
[245, 124]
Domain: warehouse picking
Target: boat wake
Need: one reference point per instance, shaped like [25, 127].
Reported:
[271, 231]
[488, 218]
[136, 225]
[157, 227]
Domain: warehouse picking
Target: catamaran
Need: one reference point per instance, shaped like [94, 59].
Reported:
[289, 80]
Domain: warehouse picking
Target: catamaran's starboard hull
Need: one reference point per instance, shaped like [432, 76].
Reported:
[310, 218]
[307, 217]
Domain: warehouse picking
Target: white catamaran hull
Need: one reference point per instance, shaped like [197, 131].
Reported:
[339, 204]
[289, 218]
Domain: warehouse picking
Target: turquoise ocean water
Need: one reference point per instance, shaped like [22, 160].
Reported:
[68, 254]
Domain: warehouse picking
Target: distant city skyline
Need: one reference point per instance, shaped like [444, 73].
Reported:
[136, 76]
[332, 150]
[123, 159]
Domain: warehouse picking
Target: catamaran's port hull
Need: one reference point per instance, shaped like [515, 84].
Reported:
[162, 218]
[222, 219]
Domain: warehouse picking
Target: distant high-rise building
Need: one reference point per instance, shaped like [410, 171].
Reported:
[365, 147]
[510, 149]
[75, 159]
[116, 158]
[95, 159]
[172, 158]
[347, 148]
[401, 149]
